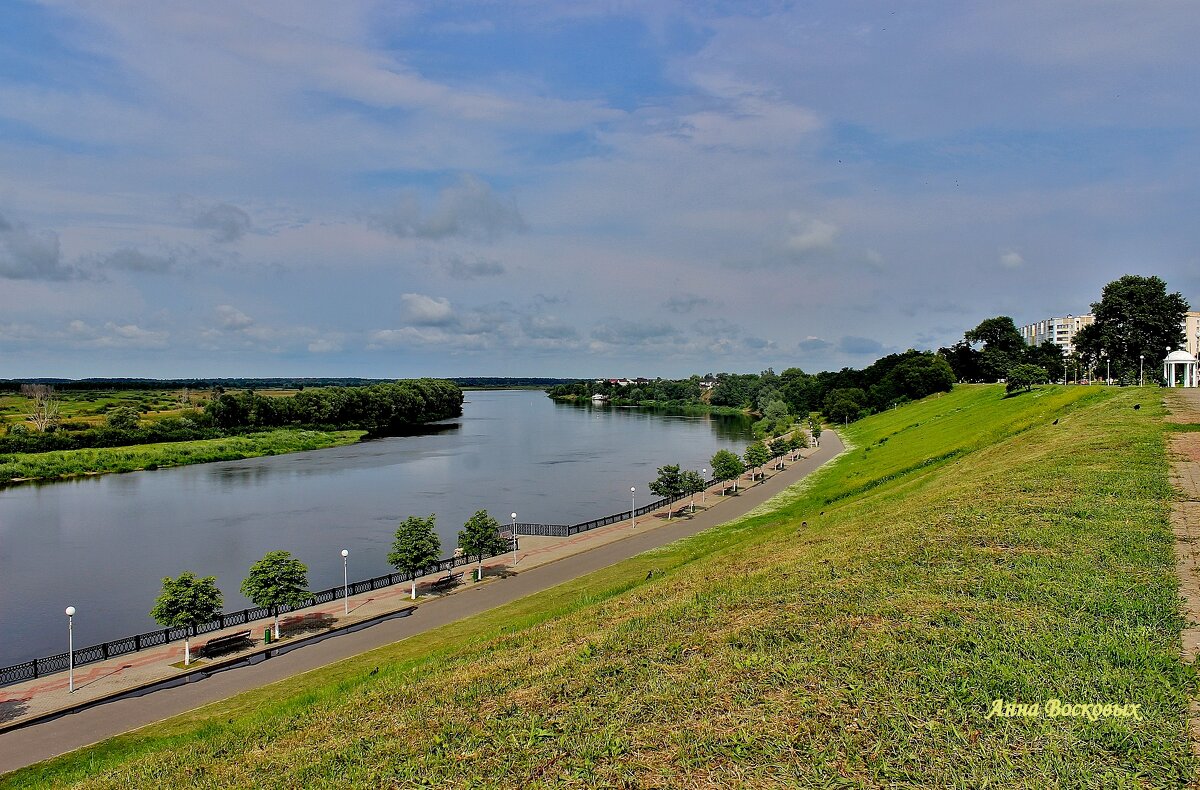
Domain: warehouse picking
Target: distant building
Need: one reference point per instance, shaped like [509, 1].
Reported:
[1059, 331]
[1191, 332]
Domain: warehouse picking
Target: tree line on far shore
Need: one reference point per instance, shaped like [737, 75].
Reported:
[379, 409]
[841, 396]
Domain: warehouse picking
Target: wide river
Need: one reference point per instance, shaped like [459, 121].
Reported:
[103, 544]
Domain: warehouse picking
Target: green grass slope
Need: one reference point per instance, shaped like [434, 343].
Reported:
[967, 549]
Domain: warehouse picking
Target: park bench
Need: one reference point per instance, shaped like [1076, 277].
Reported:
[220, 643]
[447, 581]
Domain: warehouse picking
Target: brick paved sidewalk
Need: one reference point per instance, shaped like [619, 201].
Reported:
[21, 702]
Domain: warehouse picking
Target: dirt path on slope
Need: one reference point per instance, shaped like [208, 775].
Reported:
[1184, 449]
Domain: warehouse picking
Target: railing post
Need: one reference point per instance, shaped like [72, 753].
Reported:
[137, 642]
[35, 669]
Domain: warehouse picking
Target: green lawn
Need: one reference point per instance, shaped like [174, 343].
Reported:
[73, 463]
[966, 549]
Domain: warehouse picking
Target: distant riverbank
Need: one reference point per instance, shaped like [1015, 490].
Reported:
[662, 407]
[64, 464]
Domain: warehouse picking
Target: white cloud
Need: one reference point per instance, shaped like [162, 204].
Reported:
[422, 310]
[232, 318]
[1011, 259]
[810, 233]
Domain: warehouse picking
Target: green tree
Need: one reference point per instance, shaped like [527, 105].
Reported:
[416, 547]
[1134, 317]
[278, 579]
[797, 441]
[814, 426]
[1024, 376]
[1049, 357]
[122, 418]
[669, 484]
[186, 602]
[691, 483]
[845, 404]
[1003, 346]
[481, 536]
[727, 466]
[757, 454]
[779, 448]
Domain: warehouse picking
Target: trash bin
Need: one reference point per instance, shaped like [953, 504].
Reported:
[267, 635]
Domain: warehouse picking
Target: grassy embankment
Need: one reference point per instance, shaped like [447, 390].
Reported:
[965, 550]
[16, 467]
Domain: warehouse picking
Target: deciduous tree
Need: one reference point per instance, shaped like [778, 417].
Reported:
[186, 602]
[416, 547]
[727, 466]
[278, 579]
[481, 536]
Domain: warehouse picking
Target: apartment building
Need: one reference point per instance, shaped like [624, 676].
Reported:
[1191, 332]
[1059, 331]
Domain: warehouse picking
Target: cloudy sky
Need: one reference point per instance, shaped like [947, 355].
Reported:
[568, 189]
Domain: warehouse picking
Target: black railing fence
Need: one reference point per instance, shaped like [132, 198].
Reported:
[38, 667]
[567, 530]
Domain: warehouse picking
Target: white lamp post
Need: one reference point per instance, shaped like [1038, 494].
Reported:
[70, 649]
[514, 536]
[632, 506]
[345, 581]
[704, 493]
[1141, 366]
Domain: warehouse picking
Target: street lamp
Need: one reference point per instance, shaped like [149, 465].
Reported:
[1107, 368]
[514, 536]
[345, 581]
[704, 493]
[70, 649]
[632, 506]
[1141, 366]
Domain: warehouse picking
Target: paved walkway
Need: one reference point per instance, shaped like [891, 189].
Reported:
[541, 563]
[1184, 448]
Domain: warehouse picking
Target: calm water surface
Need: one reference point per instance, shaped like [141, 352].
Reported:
[103, 544]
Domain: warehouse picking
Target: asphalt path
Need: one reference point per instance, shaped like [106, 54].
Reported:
[38, 742]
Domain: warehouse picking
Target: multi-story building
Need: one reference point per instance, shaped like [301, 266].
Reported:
[1059, 331]
[1191, 332]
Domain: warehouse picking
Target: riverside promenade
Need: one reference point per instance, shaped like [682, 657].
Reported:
[39, 719]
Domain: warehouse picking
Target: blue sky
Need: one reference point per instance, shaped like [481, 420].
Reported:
[572, 189]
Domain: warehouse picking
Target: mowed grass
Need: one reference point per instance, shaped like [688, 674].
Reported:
[59, 464]
[981, 552]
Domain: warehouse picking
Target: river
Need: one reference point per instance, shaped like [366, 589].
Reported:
[102, 544]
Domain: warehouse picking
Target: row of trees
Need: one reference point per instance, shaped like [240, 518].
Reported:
[675, 483]
[776, 397]
[1136, 321]
[280, 580]
[381, 409]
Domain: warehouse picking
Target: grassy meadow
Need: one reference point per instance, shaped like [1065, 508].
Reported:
[58, 464]
[855, 633]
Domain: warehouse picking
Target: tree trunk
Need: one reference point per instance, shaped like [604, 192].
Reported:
[187, 650]
[276, 613]
[414, 589]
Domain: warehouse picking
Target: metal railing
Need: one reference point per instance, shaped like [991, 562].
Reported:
[31, 670]
[566, 531]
